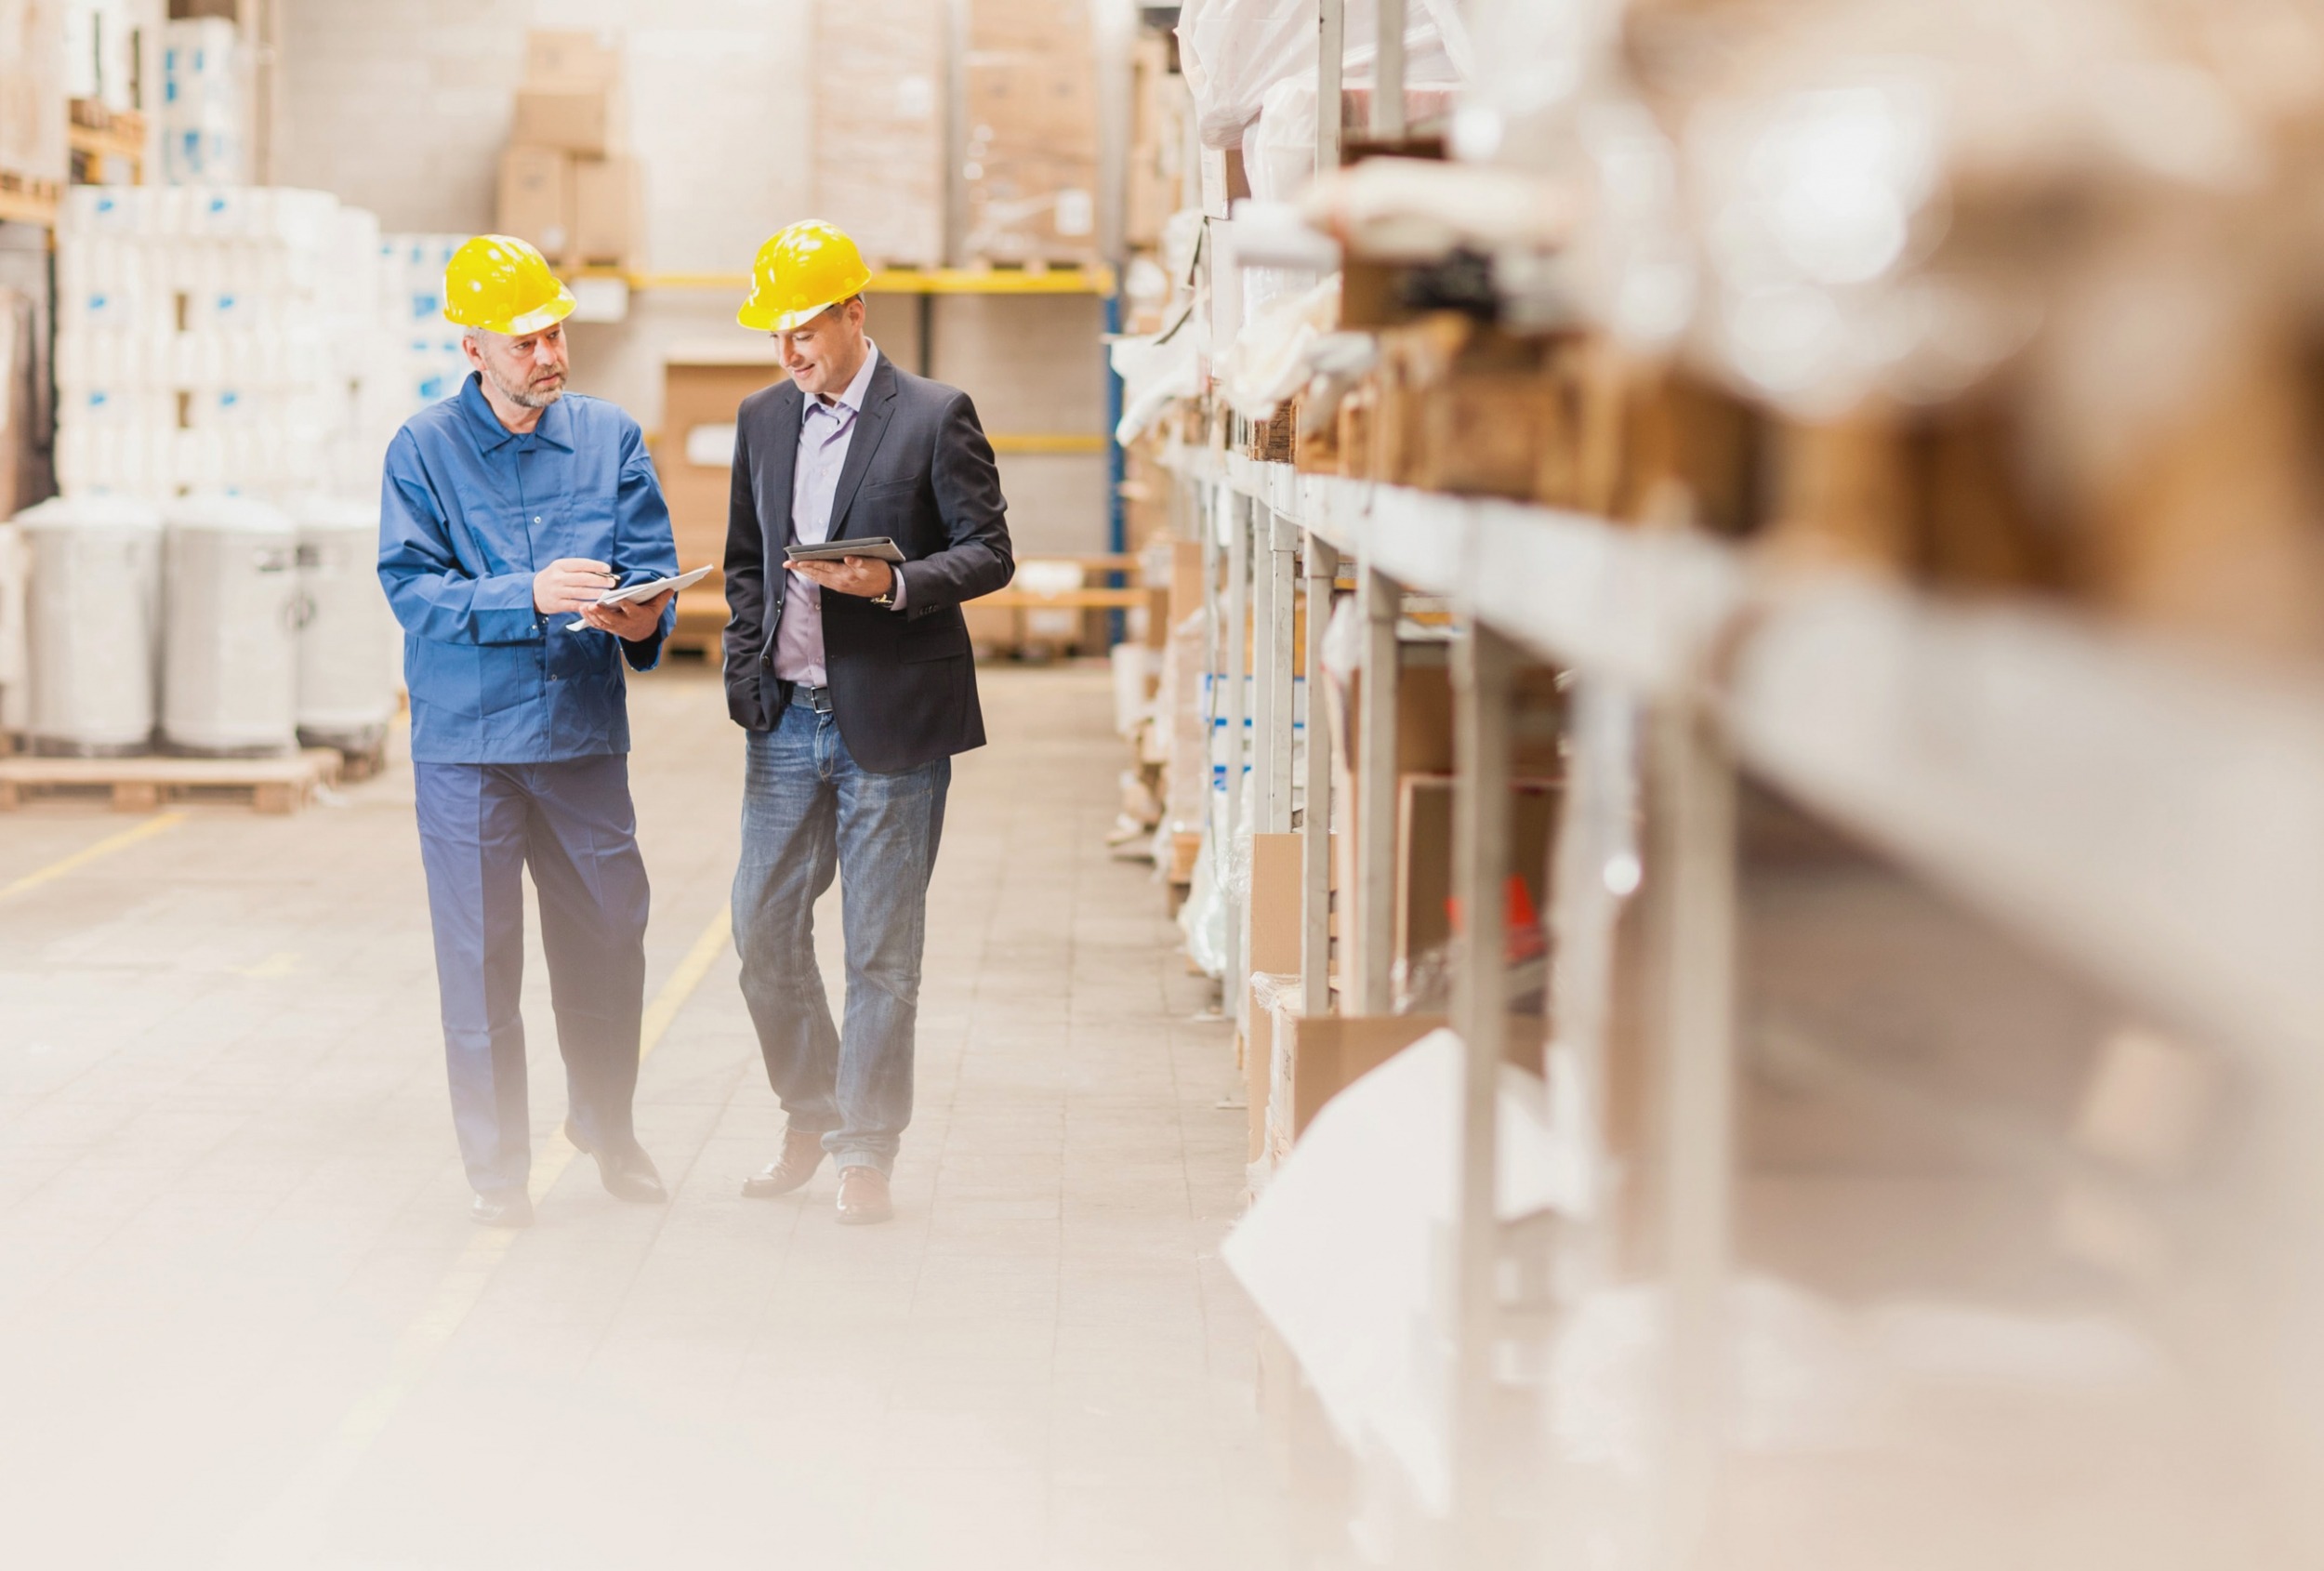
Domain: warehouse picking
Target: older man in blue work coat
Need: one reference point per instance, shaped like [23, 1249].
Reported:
[507, 512]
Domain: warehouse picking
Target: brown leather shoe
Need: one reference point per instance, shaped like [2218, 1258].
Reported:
[864, 1195]
[802, 1154]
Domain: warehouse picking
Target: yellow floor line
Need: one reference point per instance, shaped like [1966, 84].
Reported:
[158, 824]
[282, 1534]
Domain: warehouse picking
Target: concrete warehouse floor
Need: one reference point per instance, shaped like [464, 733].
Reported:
[245, 1321]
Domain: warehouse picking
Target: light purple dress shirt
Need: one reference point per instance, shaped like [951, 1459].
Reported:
[825, 429]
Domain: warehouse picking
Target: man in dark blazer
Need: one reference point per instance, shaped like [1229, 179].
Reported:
[854, 681]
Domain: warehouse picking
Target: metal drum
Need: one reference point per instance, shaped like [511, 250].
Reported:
[93, 616]
[230, 668]
[346, 692]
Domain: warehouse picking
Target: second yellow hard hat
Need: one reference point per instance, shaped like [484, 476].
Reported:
[502, 284]
[800, 273]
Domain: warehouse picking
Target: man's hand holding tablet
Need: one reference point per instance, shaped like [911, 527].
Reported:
[631, 611]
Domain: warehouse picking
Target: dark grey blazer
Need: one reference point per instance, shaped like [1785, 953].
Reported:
[919, 472]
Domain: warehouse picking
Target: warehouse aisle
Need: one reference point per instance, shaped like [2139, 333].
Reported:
[243, 1319]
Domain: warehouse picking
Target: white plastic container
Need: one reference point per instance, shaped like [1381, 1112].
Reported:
[346, 693]
[93, 624]
[230, 668]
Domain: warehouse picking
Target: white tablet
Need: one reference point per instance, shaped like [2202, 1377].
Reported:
[644, 591]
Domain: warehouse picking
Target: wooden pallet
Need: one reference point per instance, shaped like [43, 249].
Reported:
[26, 199]
[279, 784]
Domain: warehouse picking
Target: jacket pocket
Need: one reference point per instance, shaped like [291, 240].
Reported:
[743, 703]
[938, 636]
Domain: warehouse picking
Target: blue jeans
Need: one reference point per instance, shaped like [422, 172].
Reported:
[808, 811]
[480, 826]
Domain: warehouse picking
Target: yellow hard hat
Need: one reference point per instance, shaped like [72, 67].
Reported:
[502, 284]
[800, 273]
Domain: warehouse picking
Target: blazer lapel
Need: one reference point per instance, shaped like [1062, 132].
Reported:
[870, 422]
[779, 466]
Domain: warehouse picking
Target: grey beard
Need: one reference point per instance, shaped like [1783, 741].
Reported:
[524, 398]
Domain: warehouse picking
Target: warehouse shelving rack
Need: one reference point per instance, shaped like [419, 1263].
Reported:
[1927, 728]
[2164, 840]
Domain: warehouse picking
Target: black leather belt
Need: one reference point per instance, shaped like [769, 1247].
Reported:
[815, 698]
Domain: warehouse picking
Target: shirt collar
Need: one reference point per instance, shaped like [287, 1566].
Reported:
[856, 389]
[490, 435]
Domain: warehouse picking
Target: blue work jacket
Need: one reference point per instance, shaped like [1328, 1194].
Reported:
[469, 512]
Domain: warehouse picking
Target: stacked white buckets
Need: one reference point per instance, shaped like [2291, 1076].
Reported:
[242, 629]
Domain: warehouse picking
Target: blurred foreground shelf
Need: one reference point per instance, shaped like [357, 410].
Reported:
[2143, 806]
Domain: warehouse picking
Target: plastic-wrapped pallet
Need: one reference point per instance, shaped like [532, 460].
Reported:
[429, 365]
[204, 139]
[1032, 152]
[198, 345]
[879, 126]
[1232, 51]
[100, 52]
[229, 671]
[32, 78]
[93, 624]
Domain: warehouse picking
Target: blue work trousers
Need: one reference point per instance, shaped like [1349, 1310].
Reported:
[808, 811]
[571, 823]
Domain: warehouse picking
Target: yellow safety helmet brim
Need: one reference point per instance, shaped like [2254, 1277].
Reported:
[546, 316]
[800, 273]
[765, 319]
[500, 283]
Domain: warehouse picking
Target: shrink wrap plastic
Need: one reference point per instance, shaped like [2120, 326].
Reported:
[220, 338]
[1234, 51]
[1873, 201]
[203, 116]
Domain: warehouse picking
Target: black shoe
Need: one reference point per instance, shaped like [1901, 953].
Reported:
[627, 1175]
[502, 1207]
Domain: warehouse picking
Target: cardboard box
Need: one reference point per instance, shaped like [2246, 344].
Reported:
[1020, 104]
[1424, 841]
[879, 126]
[571, 61]
[1273, 922]
[701, 390]
[1425, 722]
[1059, 27]
[578, 120]
[1185, 580]
[1032, 209]
[536, 198]
[1160, 106]
[608, 211]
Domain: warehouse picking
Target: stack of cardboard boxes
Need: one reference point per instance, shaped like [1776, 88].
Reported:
[703, 384]
[567, 183]
[1031, 159]
[879, 126]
